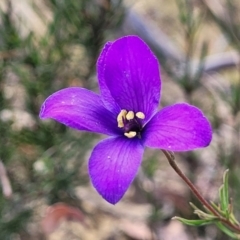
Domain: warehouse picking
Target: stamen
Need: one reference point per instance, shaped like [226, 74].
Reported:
[130, 134]
[140, 115]
[130, 115]
[121, 116]
[120, 124]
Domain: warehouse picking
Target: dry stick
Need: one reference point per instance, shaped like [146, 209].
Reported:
[4, 180]
[173, 164]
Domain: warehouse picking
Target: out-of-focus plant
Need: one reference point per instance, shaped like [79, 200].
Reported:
[225, 14]
[221, 215]
[40, 158]
[191, 71]
[40, 163]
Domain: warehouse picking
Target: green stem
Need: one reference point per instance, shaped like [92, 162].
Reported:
[171, 160]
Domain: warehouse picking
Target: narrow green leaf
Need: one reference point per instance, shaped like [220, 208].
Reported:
[204, 215]
[222, 213]
[224, 195]
[222, 198]
[216, 207]
[225, 188]
[227, 231]
[194, 206]
[196, 223]
[233, 219]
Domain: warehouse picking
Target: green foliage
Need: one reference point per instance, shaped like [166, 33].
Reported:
[15, 225]
[43, 159]
[224, 210]
[191, 72]
[224, 196]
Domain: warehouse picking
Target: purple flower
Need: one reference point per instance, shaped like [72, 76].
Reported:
[127, 111]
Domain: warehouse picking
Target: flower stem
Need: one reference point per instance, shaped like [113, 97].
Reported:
[171, 160]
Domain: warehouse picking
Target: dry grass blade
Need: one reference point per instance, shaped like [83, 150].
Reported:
[6, 185]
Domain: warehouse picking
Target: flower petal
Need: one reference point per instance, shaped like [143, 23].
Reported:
[113, 165]
[107, 98]
[128, 72]
[81, 109]
[180, 127]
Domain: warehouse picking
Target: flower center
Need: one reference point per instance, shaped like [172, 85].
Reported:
[130, 122]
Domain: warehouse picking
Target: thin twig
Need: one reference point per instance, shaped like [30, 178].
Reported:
[220, 61]
[6, 185]
[171, 160]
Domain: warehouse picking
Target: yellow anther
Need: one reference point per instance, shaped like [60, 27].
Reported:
[120, 124]
[120, 117]
[130, 115]
[140, 115]
[130, 134]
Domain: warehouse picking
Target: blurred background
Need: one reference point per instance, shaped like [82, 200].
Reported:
[46, 45]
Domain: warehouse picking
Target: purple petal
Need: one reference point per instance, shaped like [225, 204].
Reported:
[180, 127]
[107, 98]
[80, 109]
[128, 72]
[113, 165]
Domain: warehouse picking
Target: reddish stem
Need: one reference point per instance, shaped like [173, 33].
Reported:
[171, 160]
